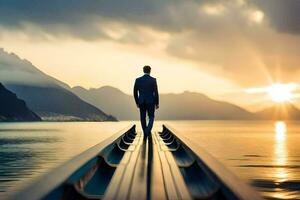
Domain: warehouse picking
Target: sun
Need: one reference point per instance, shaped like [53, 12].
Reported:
[281, 93]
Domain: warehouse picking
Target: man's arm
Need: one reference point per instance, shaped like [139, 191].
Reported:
[135, 93]
[156, 95]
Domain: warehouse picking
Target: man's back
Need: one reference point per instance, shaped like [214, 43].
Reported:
[145, 90]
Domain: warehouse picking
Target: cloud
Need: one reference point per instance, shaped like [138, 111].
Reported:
[284, 15]
[240, 39]
[85, 17]
[88, 19]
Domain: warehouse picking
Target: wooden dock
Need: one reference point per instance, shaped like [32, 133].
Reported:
[165, 165]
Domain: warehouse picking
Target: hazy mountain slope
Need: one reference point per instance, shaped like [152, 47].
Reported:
[184, 106]
[280, 112]
[49, 102]
[14, 109]
[192, 106]
[15, 70]
[111, 100]
[48, 97]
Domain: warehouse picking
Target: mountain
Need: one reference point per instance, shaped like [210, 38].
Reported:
[14, 70]
[193, 106]
[14, 109]
[111, 100]
[48, 97]
[283, 111]
[184, 106]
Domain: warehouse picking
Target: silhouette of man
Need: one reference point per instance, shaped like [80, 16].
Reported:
[146, 98]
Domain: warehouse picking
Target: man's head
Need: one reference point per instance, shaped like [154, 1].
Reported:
[147, 69]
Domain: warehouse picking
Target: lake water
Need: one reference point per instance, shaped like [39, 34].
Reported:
[265, 154]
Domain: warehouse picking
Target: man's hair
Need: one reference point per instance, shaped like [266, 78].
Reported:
[147, 69]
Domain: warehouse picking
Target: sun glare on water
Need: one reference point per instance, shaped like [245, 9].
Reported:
[280, 130]
[281, 92]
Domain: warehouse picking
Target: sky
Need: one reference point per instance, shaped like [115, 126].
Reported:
[217, 47]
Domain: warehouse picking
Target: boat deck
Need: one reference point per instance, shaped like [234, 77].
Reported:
[149, 172]
[128, 165]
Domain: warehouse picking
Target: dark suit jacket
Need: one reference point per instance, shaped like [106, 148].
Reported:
[145, 90]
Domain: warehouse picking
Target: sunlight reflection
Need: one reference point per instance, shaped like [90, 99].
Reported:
[280, 151]
[280, 129]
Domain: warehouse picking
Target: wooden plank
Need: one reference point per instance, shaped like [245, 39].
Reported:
[138, 188]
[170, 187]
[157, 183]
[120, 185]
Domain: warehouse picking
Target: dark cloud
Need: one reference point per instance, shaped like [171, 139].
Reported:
[238, 48]
[284, 15]
[248, 59]
[84, 17]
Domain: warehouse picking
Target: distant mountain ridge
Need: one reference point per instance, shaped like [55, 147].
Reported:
[14, 109]
[15, 70]
[45, 95]
[283, 111]
[111, 100]
[184, 106]
[55, 101]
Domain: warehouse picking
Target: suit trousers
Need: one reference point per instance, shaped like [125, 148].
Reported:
[147, 109]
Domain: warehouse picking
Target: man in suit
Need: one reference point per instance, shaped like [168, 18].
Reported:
[146, 98]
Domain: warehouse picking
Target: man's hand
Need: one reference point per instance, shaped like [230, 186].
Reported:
[157, 106]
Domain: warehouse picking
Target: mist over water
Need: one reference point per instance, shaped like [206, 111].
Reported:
[265, 154]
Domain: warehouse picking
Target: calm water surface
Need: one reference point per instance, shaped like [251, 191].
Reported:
[265, 154]
[28, 150]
